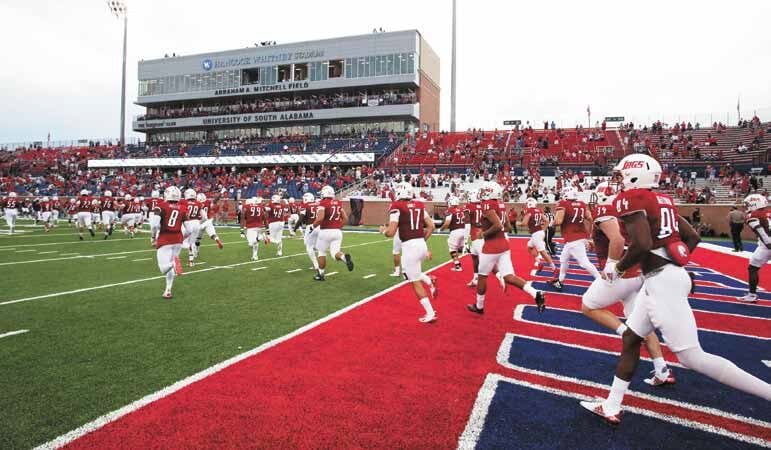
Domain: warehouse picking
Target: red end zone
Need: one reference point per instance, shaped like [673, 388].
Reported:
[373, 377]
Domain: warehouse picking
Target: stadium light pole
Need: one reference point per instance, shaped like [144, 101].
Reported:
[453, 66]
[119, 10]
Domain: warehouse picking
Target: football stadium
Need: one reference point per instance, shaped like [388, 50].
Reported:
[448, 233]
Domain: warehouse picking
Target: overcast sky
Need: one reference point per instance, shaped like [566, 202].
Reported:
[533, 60]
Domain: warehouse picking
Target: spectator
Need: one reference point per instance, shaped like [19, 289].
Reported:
[736, 222]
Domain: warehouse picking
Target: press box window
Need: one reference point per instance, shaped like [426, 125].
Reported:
[284, 73]
[250, 76]
[336, 68]
[301, 72]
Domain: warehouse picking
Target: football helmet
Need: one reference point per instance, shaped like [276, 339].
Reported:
[55, 198]
[250, 201]
[570, 193]
[72, 200]
[201, 197]
[490, 190]
[141, 199]
[754, 202]
[473, 197]
[531, 202]
[308, 197]
[12, 195]
[172, 194]
[84, 192]
[453, 201]
[108, 193]
[156, 194]
[327, 192]
[291, 200]
[95, 201]
[190, 194]
[403, 191]
[275, 198]
[259, 200]
[127, 197]
[44, 199]
[136, 200]
[603, 193]
[639, 171]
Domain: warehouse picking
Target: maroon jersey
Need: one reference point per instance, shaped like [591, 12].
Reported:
[134, 207]
[409, 214]
[152, 203]
[333, 213]
[84, 203]
[512, 215]
[277, 212]
[496, 243]
[11, 203]
[172, 215]
[45, 207]
[193, 210]
[762, 216]
[602, 213]
[308, 210]
[475, 218]
[108, 204]
[205, 207]
[96, 207]
[658, 208]
[72, 208]
[294, 208]
[535, 222]
[254, 215]
[457, 216]
[572, 226]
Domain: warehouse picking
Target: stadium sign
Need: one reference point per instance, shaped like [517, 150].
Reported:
[614, 119]
[512, 122]
[245, 61]
[229, 161]
[266, 88]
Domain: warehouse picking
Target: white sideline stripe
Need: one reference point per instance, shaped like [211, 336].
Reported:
[24, 251]
[66, 256]
[117, 257]
[331, 273]
[48, 253]
[90, 241]
[123, 283]
[293, 270]
[144, 401]
[13, 333]
[142, 259]
[368, 276]
[258, 268]
[767, 363]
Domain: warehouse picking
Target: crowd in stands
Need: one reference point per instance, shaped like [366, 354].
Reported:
[284, 103]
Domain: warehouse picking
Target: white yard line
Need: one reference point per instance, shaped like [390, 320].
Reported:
[90, 241]
[141, 280]
[258, 268]
[293, 270]
[66, 256]
[24, 251]
[48, 253]
[142, 259]
[330, 274]
[117, 257]
[368, 276]
[13, 333]
[100, 422]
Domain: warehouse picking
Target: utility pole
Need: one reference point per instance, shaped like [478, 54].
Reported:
[453, 66]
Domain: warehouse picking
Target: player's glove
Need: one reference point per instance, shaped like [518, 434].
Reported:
[610, 272]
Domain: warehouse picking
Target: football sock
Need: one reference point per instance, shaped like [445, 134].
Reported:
[321, 272]
[312, 256]
[481, 301]
[617, 390]
[621, 328]
[659, 365]
[589, 267]
[169, 279]
[256, 249]
[398, 270]
[529, 289]
[426, 303]
[563, 269]
[724, 371]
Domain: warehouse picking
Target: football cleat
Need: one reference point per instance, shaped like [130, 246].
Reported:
[219, 243]
[92, 233]
[749, 298]
[474, 309]
[428, 318]
[457, 268]
[557, 284]
[167, 295]
[596, 408]
[349, 262]
[540, 301]
[433, 288]
[81, 237]
[656, 380]
[177, 266]
[279, 253]
[395, 273]
[501, 281]
[318, 277]
[191, 264]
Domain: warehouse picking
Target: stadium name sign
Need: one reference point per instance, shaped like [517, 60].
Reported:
[257, 118]
[245, 61]
[266, 88]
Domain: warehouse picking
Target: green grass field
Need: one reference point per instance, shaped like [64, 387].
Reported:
[93, 351]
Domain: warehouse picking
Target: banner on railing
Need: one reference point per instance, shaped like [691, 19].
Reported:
[254, 160]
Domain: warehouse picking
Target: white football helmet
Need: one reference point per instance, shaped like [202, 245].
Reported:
[604, 193]
[84, 192]
[11, 195]
[137, 200]
[172, 194]
[45, 199]
[473, 197]
[453, 201]
[754, 202]
[291, 200]
[141, 199]
[490, 190]
[250, 201]
[531, 202]
[95, 201]
[403, 191]
[570, 193]
[638, 171]
[327, 192]
[55, 198]
[309, 198]
[201, 197]
[259, 200]
[108, 193]
[127, 197]
[156, 194]
[275, 198]
[190, 194]
[72, 200]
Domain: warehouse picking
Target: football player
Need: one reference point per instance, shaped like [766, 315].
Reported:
[294, 217]
[756, 206]
[660, 241]
[408, 218]
[574, 218]
[536, 222]
[84, 214]
[96, 213]
[253, 221]
[277, 213]
[55, 207]
[207, 223]
[608, 237]
[150, 205]
[166, 224]
[108, 213]
[11, 208]
[330, 217]
[306, 217]
[72, 211]
[495, 250]
[45, 213]
[474, 212]
[455, 221]
[132, 215]
[192, 225]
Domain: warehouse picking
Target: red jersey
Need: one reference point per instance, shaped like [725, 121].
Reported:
[535, 222]
[72, 208]
[172, 215]
[333, 213]
[134, 207]
[205, 207]
[512, 215]
[45, 207]
[409, 214]
[475, 218]
[276, 212]
[762, 216]
[294, 208]
[457, 216]
[603, 213]
[11, 203]
[108, 204]
[572, 226]
[193, 210]
[84, 203]
[254, 215]
[659, 209]
[498, 242]
[308, 210]
[152, 203]
[96, 207]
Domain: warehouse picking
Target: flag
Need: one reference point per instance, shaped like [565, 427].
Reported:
[588, 110]
[738, 99]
